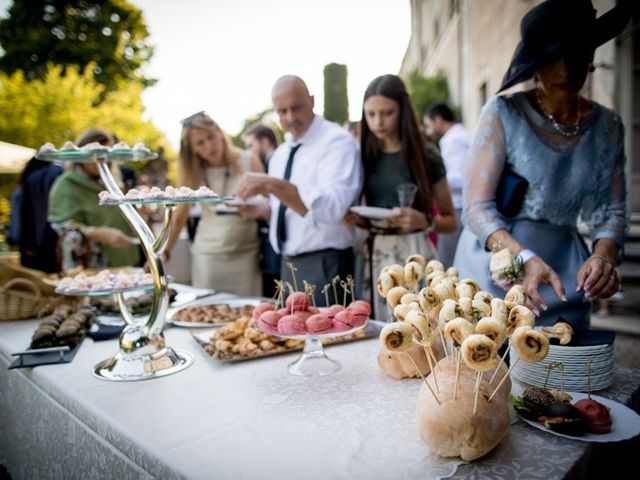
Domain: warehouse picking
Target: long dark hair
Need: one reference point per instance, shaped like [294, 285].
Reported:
[412, 150]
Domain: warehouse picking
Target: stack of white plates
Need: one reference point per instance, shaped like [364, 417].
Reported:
[575, 361]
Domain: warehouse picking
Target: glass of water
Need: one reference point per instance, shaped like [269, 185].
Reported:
[406, 194]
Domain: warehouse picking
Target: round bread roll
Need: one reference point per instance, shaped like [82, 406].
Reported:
[399, 365]
[450, 428]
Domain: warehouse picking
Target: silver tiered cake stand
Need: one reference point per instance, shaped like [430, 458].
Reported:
[143, 353]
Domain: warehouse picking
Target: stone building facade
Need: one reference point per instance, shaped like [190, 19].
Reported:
[472, 41]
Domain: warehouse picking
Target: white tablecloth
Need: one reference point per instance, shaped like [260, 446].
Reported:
[244, 420]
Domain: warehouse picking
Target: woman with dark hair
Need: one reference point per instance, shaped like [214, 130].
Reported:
[569, 149]
[393, 155]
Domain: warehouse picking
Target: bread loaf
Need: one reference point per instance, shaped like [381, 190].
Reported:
[451, 429]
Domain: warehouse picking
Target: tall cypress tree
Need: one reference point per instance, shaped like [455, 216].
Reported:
[336, 102]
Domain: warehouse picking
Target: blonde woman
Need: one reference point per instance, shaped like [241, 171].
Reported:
[226, 247]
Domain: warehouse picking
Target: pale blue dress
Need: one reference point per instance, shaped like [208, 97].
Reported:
[571, 178]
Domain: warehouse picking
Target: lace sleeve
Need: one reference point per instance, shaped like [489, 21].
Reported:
[485, 162]
[606, 213]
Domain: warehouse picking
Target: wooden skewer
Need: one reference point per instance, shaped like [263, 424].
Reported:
[293, 274]
[477, 389]
[345, 288]
[503, 378]
[325, 290]
[423, 379]
[501, 361]
[352, 287]
[433, 356]
[431, 367]
[444, 345]
[457, 354]
[335, 280]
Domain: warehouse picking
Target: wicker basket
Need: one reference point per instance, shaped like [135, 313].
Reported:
[20, 298]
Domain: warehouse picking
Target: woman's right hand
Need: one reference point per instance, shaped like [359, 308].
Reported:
[110, 236]
[353, 220]
[536, 273]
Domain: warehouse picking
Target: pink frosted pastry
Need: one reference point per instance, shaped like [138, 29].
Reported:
[343, 321]
[261, 308]
[298, 300]
[361, 304]
[318, 323]
[268, 321]
[284, 311]
[360, 311]
[332, 310]
[313, 310]
[292, 325]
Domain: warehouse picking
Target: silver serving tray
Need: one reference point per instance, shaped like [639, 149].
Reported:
[371, 330]
[235, 302]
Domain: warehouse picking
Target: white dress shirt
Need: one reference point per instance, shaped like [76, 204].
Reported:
[328, 174]
[454, 145]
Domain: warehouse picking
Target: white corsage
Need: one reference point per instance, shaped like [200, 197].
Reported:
[505, 269]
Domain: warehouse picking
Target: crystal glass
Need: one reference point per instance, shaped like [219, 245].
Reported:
[406, 194]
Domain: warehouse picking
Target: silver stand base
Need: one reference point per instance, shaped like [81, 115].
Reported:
[127, 367]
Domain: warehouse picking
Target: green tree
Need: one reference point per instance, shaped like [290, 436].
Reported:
[63, 104]
[336, 101]
[425, 91]
[110, 35]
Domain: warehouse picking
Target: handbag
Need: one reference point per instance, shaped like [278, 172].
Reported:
[510, 192]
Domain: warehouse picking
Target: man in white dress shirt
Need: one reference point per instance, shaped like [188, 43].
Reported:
[454, 143]
[314, 176]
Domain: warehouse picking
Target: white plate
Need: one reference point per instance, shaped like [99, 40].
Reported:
[626, 422]
[224, 208]
[374, 212]
[252, 201]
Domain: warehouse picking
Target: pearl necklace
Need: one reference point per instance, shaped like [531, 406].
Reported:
[562, 129]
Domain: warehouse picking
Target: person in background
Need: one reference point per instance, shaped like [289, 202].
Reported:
[314, 177]
[394, 154]
[225, 248]
[569, 149]
[91, 235]
[261, 141]
[28, 227]
[454, 141]
[354, 129]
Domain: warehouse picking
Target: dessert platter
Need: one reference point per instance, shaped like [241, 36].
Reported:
[57, 336]
[251, 201]
[105, 282]
[89, 153]
[143, 353]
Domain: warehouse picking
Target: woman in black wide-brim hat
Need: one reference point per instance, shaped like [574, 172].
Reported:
[567, 153]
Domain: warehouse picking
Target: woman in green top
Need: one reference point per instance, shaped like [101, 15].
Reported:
[394, 153]
[90, 235]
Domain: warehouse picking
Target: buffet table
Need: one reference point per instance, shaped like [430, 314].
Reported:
[243, 420]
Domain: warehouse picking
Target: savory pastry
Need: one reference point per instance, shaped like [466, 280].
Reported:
[561, 331]
[396, 337]
[499, 310]
[483, 296]
[479, 309]
[419, 259]
[434, 266]
[515, 296]
[445, 290]
[452, 272]
[396, 272]
[464, 290]
[479, 352]
[531, 345]
[457, 330]
[450, 310]
[520, 316]
[412, 274]
[492, 328]
[427, 299]
[385, 283]
[420, 328]
[401, 311]
[395, 295]
[409, 298]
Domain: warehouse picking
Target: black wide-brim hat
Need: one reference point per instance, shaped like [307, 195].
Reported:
[559, 27]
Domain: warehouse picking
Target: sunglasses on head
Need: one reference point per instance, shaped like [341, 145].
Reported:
[189, 120]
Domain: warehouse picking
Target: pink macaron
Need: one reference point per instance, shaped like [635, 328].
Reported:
[318, 323]
[361, 304]
[268, 321]
[292, 325]
[343, 321]
[297, 301]
[360, 313]
[261, 308]
[332, 310]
